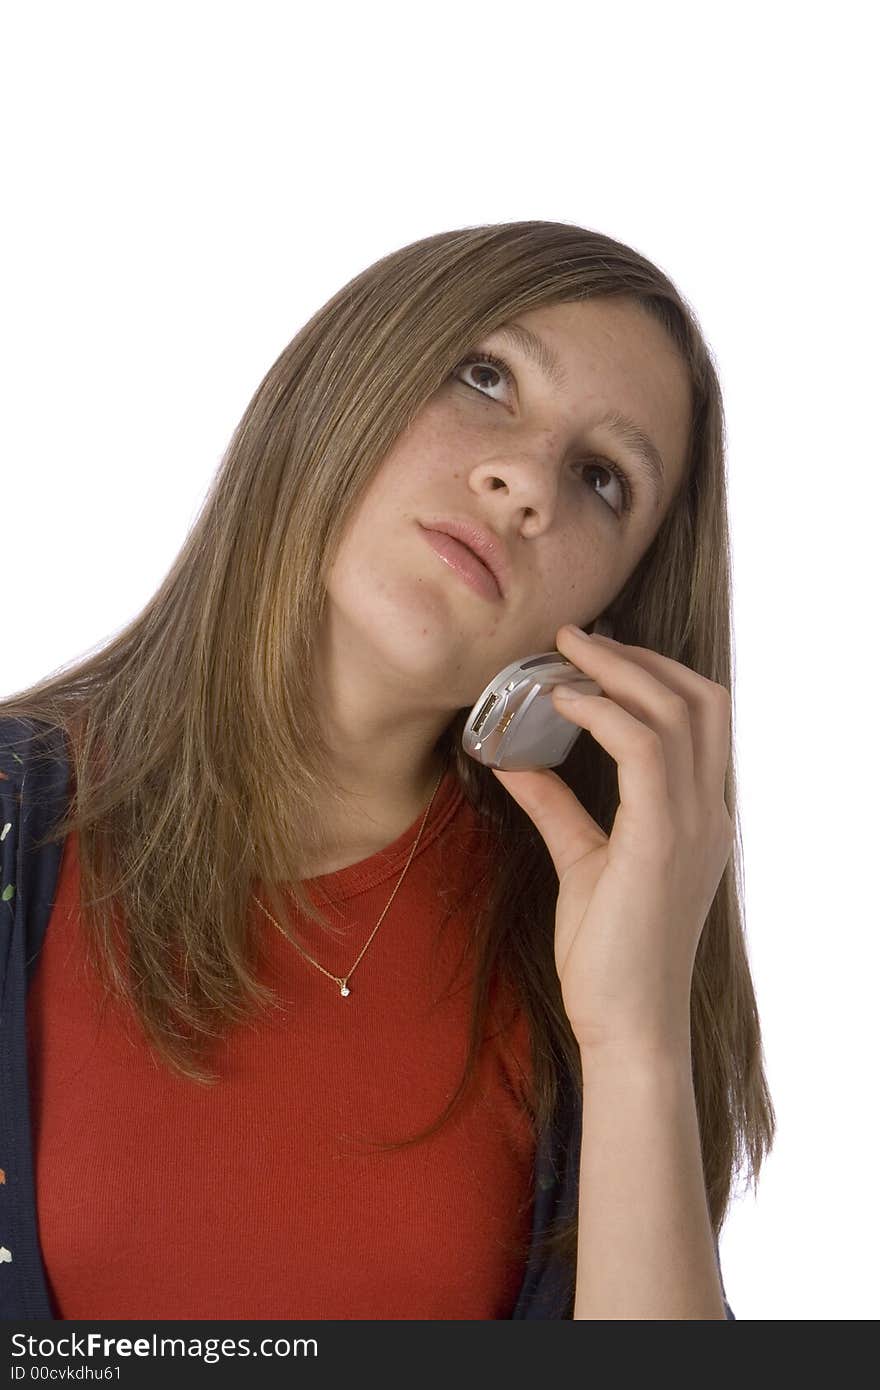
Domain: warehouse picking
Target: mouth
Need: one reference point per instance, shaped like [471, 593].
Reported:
[463, 562]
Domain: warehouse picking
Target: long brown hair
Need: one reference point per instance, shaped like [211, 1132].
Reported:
[198, 760]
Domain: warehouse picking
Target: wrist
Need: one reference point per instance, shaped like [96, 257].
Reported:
[667, 1055]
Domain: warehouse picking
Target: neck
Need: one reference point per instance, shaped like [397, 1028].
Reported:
[374, 816]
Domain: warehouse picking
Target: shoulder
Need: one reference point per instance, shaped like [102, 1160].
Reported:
[15, 741]
[26, 741]
[34, 761]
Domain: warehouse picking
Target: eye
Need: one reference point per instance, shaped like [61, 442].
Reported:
[626, 492]
[488, 360]
[485, 358]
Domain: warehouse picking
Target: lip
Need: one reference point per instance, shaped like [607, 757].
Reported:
[464, 562]
[477, 552]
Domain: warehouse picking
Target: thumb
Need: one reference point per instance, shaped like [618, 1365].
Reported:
[567, 829]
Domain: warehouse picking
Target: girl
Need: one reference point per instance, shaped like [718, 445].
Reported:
[325, 1019]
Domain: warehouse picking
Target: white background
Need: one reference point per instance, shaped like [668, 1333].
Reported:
[185, 184]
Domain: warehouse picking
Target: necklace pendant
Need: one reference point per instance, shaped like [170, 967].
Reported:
[345, 990]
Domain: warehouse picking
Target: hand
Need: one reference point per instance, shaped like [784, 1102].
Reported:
[632, 905]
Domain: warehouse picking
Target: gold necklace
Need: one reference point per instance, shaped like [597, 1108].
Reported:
[342, 980]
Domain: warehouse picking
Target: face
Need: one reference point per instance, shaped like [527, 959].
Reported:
[526, 458]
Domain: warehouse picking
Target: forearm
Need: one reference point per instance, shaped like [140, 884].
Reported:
[645, 1242]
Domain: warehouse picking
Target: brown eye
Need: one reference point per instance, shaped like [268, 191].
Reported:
[606, 466]
[486, 362]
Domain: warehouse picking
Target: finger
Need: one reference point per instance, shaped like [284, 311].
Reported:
[644, 823]
[711, 710]
[567, 828]
[648, 698]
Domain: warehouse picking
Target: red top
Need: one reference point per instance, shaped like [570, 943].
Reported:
[259, 1197]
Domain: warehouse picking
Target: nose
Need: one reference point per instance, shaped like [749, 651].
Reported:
[531, 477]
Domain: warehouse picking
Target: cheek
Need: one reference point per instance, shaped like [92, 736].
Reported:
[578, 565]
[408, 482]
[576, 581]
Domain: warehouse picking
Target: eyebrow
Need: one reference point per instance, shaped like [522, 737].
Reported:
[640, 445]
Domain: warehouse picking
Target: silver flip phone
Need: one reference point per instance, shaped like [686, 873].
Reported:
[514, 725]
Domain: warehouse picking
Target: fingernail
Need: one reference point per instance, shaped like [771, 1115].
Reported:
[566, 692]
